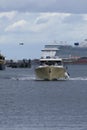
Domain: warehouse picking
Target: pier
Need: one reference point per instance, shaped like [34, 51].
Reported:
[19, 63]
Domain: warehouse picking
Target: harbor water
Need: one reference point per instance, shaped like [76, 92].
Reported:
[27, 104]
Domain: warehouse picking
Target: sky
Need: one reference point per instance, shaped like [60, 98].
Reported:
[39, 22]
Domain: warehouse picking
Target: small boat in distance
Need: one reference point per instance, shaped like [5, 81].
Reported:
[51, 67]
[2, 62]
[21, 43]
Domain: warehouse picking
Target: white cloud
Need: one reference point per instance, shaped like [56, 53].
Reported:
[9, 15]
[47, 24]
[48, 20]
[85, 17]
[17, 26]
[51, 16]
[74, 19]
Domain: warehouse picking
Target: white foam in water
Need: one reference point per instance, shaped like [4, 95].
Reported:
[78, 78]
[24, 78]
[34, 78]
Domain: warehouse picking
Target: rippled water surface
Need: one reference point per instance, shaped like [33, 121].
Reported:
[27, 104]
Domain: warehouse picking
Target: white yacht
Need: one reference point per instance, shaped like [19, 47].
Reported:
[51, 67]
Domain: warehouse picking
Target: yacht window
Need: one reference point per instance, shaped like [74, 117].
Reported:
[49, 63]
[59, 62]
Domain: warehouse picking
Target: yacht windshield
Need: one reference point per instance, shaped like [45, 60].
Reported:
[58, 63]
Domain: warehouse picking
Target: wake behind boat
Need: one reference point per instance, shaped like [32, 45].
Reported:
[51, 67]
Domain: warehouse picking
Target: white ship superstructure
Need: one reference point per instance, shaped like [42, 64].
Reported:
[65, 50]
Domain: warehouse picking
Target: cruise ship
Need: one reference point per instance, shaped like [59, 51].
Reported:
[74, 53]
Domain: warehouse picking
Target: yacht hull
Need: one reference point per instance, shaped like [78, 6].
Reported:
[51, 73]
